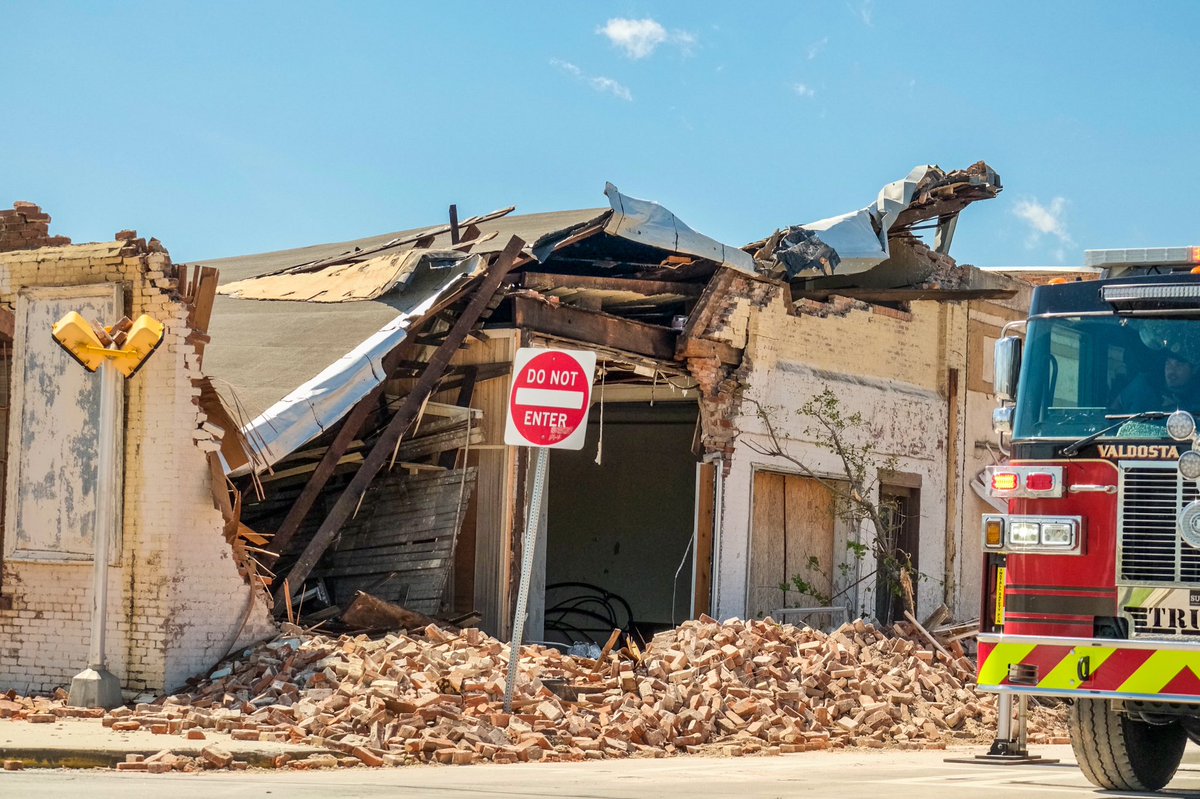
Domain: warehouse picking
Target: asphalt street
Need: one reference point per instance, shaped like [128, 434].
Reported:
[839, 775]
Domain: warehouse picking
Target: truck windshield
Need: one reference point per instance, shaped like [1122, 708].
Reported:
[1076, 370]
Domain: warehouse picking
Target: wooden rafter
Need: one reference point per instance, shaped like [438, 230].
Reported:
[593, 327]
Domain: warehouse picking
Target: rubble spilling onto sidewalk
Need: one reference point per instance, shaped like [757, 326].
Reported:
[741, 687]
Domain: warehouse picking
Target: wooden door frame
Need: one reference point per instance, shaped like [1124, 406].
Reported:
[704, 535]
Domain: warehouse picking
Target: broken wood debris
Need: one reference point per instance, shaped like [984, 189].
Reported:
[369, 612]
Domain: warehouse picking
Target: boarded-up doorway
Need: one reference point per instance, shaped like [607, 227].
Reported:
[792, 533]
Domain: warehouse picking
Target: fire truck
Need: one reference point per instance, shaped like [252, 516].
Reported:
[1092, 576]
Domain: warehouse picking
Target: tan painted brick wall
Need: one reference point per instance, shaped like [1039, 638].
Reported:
[176, 601]
[891, 366]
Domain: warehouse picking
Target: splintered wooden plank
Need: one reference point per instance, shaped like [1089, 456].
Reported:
[206, 292]
[448, 441]
[647, 288]
[325, 469]
[597, 328]
[371, 612]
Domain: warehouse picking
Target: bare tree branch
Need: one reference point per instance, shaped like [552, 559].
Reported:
[856, 491]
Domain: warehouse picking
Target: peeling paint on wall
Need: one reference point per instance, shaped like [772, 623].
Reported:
[55, 440]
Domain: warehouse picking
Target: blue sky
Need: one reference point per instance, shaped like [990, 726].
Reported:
[227, 128]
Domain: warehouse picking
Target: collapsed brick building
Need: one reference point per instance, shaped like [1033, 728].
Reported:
[352, 397]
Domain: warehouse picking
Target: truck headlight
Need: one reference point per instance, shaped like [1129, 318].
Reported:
[1189, 464]
[1023, 534]
[1058, 534]
[1050, 535]
[1181, 425]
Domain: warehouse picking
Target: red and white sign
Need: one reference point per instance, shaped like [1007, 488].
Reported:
[551, 395]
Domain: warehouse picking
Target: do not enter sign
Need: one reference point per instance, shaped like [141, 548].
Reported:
[551, 394]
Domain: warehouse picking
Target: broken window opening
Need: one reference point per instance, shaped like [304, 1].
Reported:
[900, 506]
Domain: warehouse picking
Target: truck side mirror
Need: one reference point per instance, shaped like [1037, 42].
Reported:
[1007, 366]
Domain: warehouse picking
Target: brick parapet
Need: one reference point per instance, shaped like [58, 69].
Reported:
[27, 227]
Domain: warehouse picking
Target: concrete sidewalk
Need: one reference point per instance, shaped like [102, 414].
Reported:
[86, 743]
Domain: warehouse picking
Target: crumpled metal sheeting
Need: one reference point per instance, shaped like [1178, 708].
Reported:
[859, 239]
[344, 282]
[799, 249]
[649, 223]
[319, 403]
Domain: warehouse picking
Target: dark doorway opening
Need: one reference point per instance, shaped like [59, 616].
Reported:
[619, 532]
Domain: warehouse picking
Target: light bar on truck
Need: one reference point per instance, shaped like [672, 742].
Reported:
[1143, 257]
[1141, 292]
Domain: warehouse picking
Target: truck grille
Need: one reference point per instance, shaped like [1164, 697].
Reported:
[1151, 550]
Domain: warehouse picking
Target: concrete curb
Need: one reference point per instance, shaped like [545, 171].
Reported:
[44, 757]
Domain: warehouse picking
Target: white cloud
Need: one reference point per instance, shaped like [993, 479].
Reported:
[864, 10]
[686, 42]
[1045, 220]
[602, 84]
[639, 38]
[567, 67]
[598, 82]
[804, 90]
[817, 47]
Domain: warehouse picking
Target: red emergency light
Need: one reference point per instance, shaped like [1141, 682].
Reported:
[1027, 481]
[1039, 482]
[1005, 481]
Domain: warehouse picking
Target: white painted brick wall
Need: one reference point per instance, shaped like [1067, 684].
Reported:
[176, 601]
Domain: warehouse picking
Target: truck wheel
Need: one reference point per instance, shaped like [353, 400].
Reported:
[1121, 754]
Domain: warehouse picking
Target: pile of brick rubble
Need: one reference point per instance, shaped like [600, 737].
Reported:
[741, 687]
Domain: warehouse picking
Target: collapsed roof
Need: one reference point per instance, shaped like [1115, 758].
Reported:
[300, 336]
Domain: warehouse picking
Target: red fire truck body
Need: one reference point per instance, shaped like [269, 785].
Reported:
[1092, 576]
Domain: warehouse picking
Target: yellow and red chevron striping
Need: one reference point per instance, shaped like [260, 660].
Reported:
[1161, 670]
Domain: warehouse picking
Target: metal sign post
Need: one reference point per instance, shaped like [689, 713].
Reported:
[527, 553]
[122, 348]
[96, 686]
[547, 409]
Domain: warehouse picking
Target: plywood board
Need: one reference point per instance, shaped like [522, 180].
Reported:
[792, 521]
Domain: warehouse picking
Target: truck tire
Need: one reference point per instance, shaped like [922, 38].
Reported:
[1120, 754]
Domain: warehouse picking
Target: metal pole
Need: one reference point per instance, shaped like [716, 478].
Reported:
[96, 686]
[1022, 722]
[105, 494]
[1004, 714]
[531, 536]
